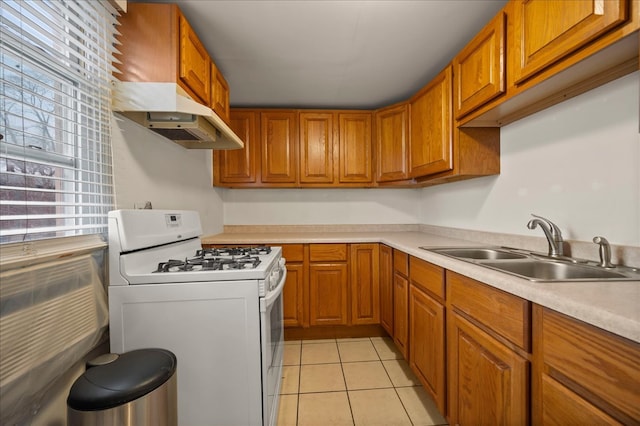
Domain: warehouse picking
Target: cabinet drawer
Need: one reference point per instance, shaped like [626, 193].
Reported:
[293, 252]
[584, 357]
[401, 262]
[327, 252]
[506, 314]
[563, 407]
[426, 276]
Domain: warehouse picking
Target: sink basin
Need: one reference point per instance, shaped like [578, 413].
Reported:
[540, 270]
[478, 253]
[536, 267]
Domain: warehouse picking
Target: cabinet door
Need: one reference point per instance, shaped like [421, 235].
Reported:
[316, 147]
[293, 296]
[328, 293]
[431, 127]
[195, 64]
[219, 93]
[478, 70]
[401, 314]
[355, 148]
[279, 141]
[488, 382]
[386, 288]
[427, 351]
[568, 25]
[392, 132]
[365, 284]
[239, 165]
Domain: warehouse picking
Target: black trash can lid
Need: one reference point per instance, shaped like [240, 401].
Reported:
[131, 376]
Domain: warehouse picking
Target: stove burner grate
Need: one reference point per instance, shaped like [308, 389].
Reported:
[202, 263]
[234, 251]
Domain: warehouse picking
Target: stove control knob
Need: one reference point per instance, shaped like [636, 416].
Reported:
[282, 262]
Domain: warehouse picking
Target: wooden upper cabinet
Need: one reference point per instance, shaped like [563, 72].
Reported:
[355, 148]
[195, 63]
[158, 45]
[239, 165]
[279, 147]
[478, 70]
[219, 93]
[316, 147]
[545, 31]
[391, 143]
[431, 127]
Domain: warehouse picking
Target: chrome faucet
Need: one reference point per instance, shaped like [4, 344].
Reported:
[552, 232]
[605, 252]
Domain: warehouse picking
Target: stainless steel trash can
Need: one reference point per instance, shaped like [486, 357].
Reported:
[137, 388]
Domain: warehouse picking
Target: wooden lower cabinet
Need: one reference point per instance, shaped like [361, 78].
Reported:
[488, 382]
[386, 288]
[401, 302]
[488, 335]
[294, 293]
[562, 407]
[365, 283]
[582, 374]
[328, 294]
[293, 296]
[427, 349]
[401, 314]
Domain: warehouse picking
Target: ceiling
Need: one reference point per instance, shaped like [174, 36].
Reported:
[332, 53]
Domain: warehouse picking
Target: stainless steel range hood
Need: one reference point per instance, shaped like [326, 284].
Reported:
[166, 109]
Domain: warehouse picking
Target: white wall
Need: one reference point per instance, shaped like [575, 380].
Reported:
[148, 167]
[577, 163]
[320, 206]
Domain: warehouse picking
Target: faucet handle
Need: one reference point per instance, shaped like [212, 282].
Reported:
[605, 252]
[555, 231]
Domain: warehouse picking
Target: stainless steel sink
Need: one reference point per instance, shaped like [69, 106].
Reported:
[542, 270]
[535, 266]
[479, 253]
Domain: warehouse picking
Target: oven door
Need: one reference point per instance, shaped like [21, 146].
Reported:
[272, 335]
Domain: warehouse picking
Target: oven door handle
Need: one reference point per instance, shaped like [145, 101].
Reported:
[273, 295]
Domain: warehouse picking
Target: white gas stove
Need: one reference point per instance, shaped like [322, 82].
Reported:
[219, 310]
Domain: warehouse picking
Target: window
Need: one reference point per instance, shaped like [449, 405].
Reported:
[55, 113]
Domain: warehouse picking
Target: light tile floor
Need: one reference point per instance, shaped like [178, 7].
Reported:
[361, 381]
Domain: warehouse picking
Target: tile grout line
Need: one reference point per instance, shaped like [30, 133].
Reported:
[395, 388]
[299, 383]
[346, 389]
[341, 362]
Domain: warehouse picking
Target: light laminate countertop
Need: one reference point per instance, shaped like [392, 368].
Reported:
[613, 306]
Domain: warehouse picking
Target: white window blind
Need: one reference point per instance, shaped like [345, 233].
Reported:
[55, 110]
